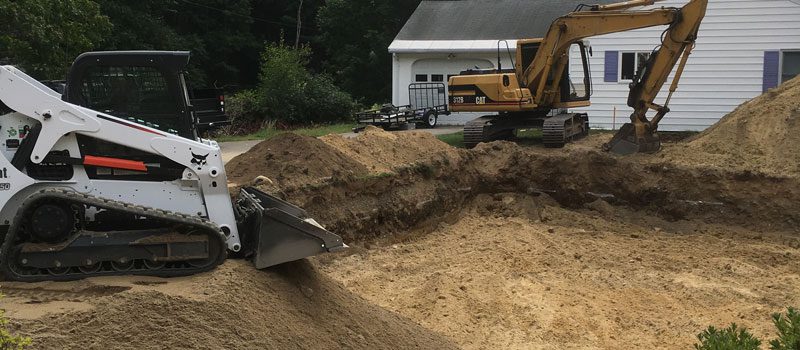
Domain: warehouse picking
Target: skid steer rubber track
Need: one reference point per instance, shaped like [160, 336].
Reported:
[176, 249]
[563, 128]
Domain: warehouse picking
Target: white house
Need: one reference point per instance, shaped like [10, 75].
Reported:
[744, 47]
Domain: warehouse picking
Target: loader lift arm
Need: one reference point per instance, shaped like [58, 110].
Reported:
[677, 42]
[111, 179]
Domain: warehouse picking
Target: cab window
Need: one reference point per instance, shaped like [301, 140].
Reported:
[131, 92]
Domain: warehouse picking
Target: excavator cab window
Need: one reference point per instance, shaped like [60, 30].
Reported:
[528, 53]
[576, 81]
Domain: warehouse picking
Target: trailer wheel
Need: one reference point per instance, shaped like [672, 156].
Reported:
[429, 120]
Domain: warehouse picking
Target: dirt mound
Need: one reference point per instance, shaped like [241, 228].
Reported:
[761, 135]
[381, 151]
[502, 246]
[232, 307]
[501, 278]
[291, 159]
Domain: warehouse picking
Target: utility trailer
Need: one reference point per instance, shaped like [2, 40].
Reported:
[428, 102]
[209, 109]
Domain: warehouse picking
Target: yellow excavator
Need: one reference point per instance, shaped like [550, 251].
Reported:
[539, 90]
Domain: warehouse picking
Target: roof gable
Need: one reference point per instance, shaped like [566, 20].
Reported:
[485, 19]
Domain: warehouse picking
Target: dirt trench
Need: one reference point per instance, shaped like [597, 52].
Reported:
[522, 247]
[377, 204]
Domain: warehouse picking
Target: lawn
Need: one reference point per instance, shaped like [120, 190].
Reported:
[455, 139]
[267, 133]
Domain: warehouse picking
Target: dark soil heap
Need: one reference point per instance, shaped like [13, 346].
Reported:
[381, 151]
[291, 159]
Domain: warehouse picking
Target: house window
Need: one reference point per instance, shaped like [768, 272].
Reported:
[437, 77]
[790, 65]
[631, 63]
[421, 78]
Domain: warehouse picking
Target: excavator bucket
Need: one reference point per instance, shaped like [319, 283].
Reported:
[274, 231]
[626, 142]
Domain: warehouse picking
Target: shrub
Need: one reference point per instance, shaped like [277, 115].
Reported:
[729, 338]
[788, 330]
[288, 93]
[243, 107]
[9, 341]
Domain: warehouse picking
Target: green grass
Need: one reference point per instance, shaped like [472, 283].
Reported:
[455, 140]
[267, 133]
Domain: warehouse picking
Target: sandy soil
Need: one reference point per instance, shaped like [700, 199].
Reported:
[552, 278]
[762, 134]
[501, 246]
[233, 307]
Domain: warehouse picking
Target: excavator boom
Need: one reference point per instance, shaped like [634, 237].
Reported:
[542, 83]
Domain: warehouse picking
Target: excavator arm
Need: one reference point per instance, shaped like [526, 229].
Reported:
[677, 41]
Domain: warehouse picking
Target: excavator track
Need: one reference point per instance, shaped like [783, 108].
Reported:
[562, 128]
[166, 251]
[474, 131]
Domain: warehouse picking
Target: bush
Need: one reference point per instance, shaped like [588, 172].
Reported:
[731, 338]
[9, 341]
[788, 330]
[243, 106]
[288, 93]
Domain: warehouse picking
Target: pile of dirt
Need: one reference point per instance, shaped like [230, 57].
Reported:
[235, 306]
[382, 151]
[516, 270]
[502, 246]
[761, 135]
[290, 159]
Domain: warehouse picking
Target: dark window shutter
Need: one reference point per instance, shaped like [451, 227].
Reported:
[612, 64]
[771, 74]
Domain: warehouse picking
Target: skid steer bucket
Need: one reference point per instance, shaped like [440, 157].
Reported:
[274, 231]
[625, 142]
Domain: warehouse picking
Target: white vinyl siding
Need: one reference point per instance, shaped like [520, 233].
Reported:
[725, 69]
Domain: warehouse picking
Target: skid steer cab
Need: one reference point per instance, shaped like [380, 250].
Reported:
[111, 178]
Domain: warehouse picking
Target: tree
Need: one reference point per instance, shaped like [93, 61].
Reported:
[289, 93]
[355, 37]
[223, 45]
[44, 36]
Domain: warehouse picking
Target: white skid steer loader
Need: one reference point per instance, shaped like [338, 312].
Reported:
[111, 178]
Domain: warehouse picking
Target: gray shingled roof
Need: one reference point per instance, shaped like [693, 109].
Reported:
[486, 19]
